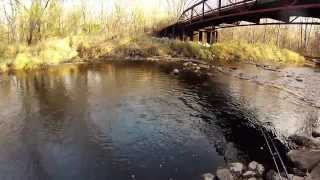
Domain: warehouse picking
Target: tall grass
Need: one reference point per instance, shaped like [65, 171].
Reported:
[259, 53]
[57, 51]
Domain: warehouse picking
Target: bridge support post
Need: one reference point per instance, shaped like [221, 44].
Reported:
[200, 36]
[209, 37]
[190, 35]
[215, 36]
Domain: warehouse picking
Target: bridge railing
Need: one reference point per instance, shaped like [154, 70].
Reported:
[206, 7]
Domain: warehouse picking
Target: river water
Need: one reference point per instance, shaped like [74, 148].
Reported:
[134, 121]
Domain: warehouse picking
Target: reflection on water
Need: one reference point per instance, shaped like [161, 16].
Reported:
[132, 121]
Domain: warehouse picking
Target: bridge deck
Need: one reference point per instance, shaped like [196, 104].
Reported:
[247, 10]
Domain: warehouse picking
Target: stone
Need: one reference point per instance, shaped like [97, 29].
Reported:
[186, 64]
[224, 174]
[252, 178]
[236, 168]
[249, 174]
[208, 176]
[260, 169]
[176, 71]
[315, 133]
[210, 74]
[305, 142]
[231, 153]
[203, 66]
[304, 159]
[253, 165]
[272, 175]
[315, 173]
[294, 177]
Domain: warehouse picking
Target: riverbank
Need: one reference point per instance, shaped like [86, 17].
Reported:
[304, 145]
[87, 49]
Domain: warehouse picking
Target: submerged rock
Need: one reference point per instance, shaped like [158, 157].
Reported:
[224, 174]
[252, 178]
[315, 133]
[304, 159]
[249, 174]
[208, 176]
[273, 175]
[231, 153]
[176, 71]
[294, 177]
[299, 79]
[305, 142]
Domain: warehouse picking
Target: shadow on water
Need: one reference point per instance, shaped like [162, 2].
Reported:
[125, 121]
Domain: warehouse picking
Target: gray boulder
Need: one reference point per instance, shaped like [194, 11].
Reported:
[260, 169]
[253, 165]
[208, 176]
[224, 174]
[303, 159]
[236, 168]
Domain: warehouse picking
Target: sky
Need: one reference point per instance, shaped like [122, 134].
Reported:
[145, 5]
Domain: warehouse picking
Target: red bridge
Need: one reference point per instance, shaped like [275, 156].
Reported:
[206, 16]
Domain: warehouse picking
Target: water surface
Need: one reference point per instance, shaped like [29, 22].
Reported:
[133, 121]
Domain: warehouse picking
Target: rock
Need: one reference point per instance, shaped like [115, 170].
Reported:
[260, 169]
[236, 168]
[186, 64]
[224, 174]
[252, 178]
[231, 153]
[315, 173]
[294, 177]
[272, 175]
[210, 74]
[208, 176]
[305, 142]
[298, 172]
[176, 71]
[299, 79]
[304, 159]
[315, 133]
[249, 174]
[253, 165]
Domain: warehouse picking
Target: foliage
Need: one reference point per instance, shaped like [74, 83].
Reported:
[241, 51]
[51, 52]
[90, 48]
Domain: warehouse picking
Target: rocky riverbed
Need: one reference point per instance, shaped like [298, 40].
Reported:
[304, 154]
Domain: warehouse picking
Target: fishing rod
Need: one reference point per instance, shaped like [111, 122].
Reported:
[275, 154]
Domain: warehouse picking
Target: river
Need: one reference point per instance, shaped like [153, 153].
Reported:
[134, 121]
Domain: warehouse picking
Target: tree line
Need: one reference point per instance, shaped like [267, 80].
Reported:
[32, 21]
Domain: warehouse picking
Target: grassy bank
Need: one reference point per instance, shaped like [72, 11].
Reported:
[76, 48]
